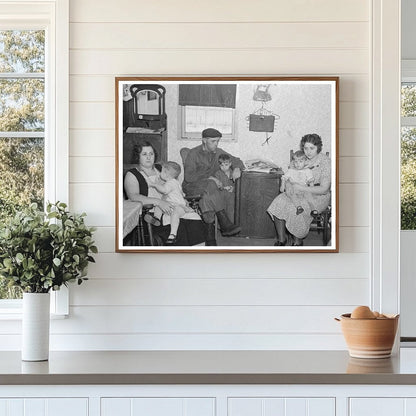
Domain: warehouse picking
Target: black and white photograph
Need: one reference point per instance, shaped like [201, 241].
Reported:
[227, 164]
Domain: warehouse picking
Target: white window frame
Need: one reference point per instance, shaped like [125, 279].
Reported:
[385, 150]
[53, 17]
[408, 237]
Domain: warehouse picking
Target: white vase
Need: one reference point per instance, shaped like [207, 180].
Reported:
[35, 326]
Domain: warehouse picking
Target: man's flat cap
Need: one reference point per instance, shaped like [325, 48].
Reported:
[211, 133]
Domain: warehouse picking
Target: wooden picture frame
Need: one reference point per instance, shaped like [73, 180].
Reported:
[168, 116]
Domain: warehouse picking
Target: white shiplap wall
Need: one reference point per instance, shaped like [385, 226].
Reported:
[218, 301]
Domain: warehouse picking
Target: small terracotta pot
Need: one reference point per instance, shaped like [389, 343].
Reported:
[369, 338]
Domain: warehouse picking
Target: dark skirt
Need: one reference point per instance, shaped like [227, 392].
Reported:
[190, 232]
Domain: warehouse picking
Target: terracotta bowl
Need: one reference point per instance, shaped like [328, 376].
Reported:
[369, 338]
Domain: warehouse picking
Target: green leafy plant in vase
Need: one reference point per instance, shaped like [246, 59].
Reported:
[39, 252]
[43, 251]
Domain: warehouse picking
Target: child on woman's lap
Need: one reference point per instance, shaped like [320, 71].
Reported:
[171, 190]
[298, 174]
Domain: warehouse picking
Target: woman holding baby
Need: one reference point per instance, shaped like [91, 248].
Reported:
[294, 219]
[140, 185]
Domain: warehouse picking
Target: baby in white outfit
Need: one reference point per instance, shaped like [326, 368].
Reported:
[171, 190]
[297, 173]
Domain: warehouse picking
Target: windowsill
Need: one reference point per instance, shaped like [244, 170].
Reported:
[12, 309]
[224, 138]
[13, 315]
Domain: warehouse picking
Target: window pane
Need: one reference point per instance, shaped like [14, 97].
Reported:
[21, 173]
[21, 182]
[22, 104]
[22, 97]
[9, 292]
[22, 51]
[408, 101]
[200, 118]
[408, 178]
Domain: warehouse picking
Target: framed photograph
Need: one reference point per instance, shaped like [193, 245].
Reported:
[226, 164]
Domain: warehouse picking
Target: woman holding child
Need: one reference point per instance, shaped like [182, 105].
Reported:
[141, 184]
[296, 217]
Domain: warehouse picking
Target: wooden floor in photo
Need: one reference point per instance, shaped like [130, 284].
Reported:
[313, 239]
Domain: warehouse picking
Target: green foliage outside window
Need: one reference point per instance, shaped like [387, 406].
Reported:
[21, 110]
[408, 160]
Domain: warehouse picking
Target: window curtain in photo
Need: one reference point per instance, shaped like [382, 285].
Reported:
[203, 95]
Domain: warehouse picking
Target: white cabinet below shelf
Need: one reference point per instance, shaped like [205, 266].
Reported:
[43, 406]
[160, 406]
[273, 406]
[382, 406]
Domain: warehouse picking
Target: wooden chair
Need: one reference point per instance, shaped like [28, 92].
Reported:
[193, 200]
[322, 223]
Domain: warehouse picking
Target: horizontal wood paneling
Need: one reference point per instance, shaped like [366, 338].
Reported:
[253, 301]
[146, 342]
[354, 170]
[354, 208]
[92, 115]
[93, 143]
[221, 291]
[250, 266]
[218, 11]
[92, 88]
[254, 61]
[213, 320]
[96, 199]
[201, 319]
[352, 239]
[354, 142]
[92, 169]
[105, 239]
[354, 115]
[221, 35]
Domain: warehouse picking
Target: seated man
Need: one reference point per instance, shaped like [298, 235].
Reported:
[200, 167]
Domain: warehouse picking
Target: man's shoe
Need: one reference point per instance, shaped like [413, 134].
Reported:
[226, 226]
